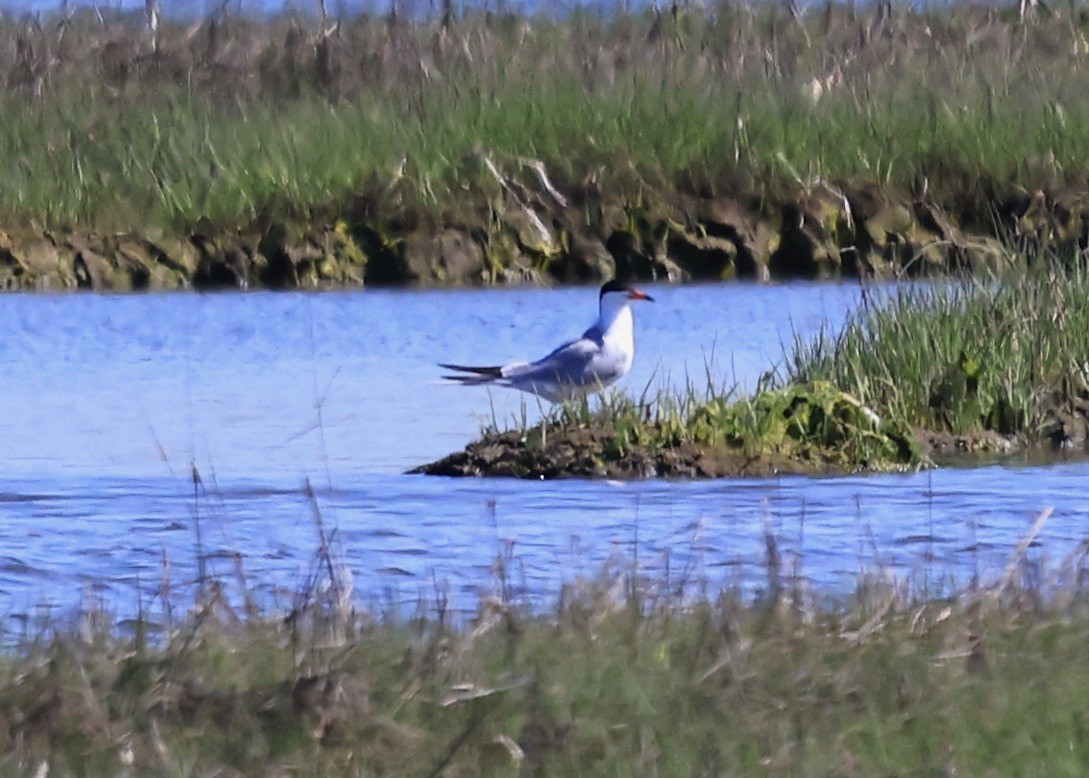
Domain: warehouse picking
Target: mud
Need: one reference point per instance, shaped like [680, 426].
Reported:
[803, 430]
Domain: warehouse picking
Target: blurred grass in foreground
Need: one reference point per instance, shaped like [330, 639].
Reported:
[624, 675]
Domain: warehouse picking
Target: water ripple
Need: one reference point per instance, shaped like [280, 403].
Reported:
[261, 395]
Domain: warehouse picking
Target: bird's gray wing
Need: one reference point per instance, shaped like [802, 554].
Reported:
[572, 363]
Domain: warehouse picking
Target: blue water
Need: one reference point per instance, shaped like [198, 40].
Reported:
[112, 402]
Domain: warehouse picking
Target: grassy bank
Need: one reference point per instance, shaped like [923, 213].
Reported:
[1006, 355]
[623, 676]
[737, 140]
[970, 365]
[230, 118]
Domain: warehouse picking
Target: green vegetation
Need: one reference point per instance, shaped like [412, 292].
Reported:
[223, 121]
[625, 675]
[802, 428]
[971, 364]
[1007, 354]
[708, 142]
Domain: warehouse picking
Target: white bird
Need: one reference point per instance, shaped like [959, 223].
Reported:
[579, 367]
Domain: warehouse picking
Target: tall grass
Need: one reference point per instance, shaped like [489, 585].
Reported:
[221, 122]
[1008, 353]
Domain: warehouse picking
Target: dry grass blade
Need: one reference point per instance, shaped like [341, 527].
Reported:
[1023, 546]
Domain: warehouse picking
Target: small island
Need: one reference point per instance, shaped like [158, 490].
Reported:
[986, 366]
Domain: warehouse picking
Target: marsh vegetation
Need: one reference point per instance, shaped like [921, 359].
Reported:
[495, 148]
[501, 148]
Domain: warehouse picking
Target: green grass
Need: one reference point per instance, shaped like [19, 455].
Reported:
[221, 128]
[1005, 353]
[812, 422]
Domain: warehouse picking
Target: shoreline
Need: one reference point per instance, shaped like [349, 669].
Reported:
[582, 454]
[851, 234]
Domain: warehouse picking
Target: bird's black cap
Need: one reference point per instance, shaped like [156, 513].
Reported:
[616, 285]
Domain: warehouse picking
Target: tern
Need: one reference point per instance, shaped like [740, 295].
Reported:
[579, 367]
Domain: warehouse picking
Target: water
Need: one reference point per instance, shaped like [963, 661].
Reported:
[111, 402]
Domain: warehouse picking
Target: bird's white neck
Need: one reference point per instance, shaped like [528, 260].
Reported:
[616, 322]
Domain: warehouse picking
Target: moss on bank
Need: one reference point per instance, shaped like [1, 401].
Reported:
[800, 429]
[513, 243]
